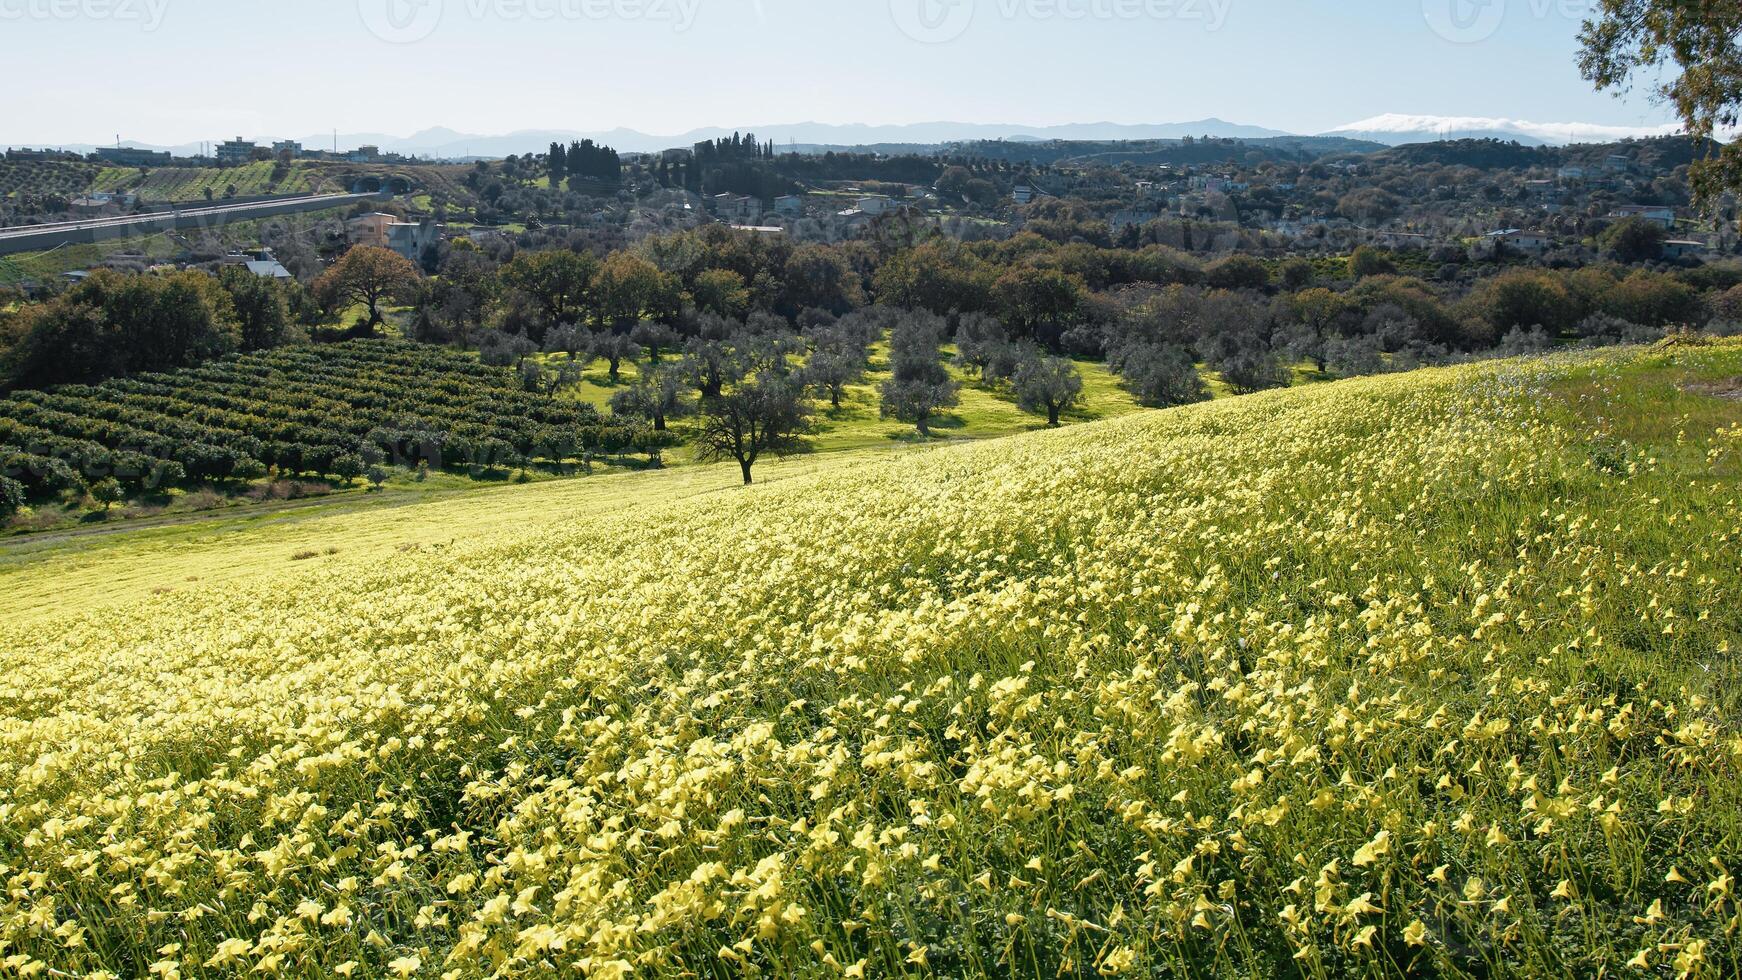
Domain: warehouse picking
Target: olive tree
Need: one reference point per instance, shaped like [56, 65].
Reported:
[1049, 385]
[767, 415]
[919, 385]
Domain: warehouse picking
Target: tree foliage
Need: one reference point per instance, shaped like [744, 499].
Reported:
[1048, 385]
[1691, 51]
[764, 416]
[368, 276]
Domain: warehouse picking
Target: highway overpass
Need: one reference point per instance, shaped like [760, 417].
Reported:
[40, 238]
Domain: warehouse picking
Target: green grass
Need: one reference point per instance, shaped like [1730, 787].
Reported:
[983, 413]
[46, 575]
[191, 183]
[46, 266]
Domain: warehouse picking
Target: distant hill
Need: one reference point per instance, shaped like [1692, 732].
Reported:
[447, 143]
[1396, 129]
[1657, 154]
[444, 143]
[1175, 152]
[1393, 129]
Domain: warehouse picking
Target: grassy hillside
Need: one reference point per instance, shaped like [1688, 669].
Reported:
[161, 184]
[1419, 675]
[191, 183]
[42, 178]
[48, 265]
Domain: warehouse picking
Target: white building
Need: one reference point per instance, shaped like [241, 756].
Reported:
[1523, 241]
[875, 204]
[1649, 212]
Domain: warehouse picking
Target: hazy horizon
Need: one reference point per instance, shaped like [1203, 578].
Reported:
[174, 72]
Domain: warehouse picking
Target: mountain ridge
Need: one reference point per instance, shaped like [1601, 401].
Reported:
[1392, 129]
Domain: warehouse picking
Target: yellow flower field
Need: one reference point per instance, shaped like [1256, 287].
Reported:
[1429, 674]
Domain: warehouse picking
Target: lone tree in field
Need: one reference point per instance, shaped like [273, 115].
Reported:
[765, 416]
[107, 492]
[348, 467]
[1048, 384]
[1695, 48]
[711, 365]
[368, 275]
[613, 349]
[830, 370]
[1160, 375]
[655, 396]
[919, 385]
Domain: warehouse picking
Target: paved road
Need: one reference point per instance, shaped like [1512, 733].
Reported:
[36, 238]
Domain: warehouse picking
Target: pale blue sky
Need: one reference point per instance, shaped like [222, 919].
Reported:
[172, 71]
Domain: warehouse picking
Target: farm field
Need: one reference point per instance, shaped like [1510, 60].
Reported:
[1419, 675]
[191, 183]
[301, 409]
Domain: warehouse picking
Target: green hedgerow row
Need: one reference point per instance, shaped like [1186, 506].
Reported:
[301, 410]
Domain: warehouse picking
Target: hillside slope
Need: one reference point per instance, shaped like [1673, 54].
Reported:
[1426, 674]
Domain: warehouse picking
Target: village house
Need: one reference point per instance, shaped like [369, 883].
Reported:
[1516, 239]
[874, 204]
[1649, 212]
[369, 229]
[734, 209]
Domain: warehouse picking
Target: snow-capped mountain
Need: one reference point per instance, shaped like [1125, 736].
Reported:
[1398, 128]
